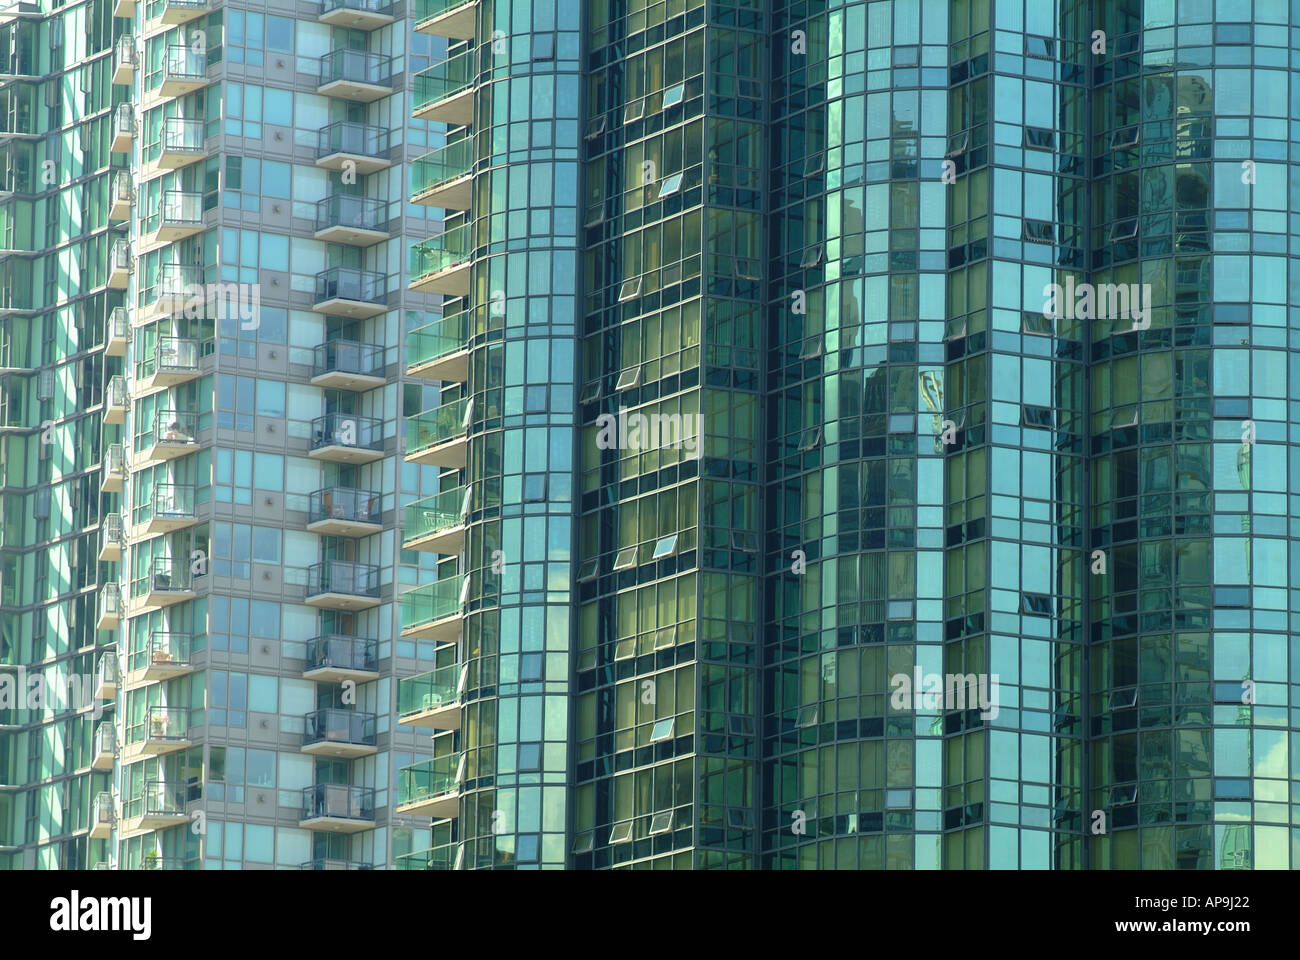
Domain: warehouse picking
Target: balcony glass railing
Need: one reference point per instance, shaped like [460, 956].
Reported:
[369, 6]
[431, 603]
[183, 62]
[451, 162]
[356, 66]
[346, 210]
[344, 503]
[125, 52]
[437, 339]
[428, 9]
[176, 426]
[169, 574]
[359, 139]
[342, 652]
[110, 599]
[436, 426]
[432, 515]
[335, 725]
[335, 863]
[117, 391]
[173, 501]
[114, 460]
[182, 134]
[427, 691]
[162, 799]
[441, 252]
[347, 430]
[105, 738]
[181, 206]
[159, 723]
[348, 356]
[119, 326]
[343, 576]
[443, 80]
[113, 529]
[428, 779]
[435, 858]
[120, 258]
[124, 119]
[338, 800]
[164, 648]
[350, 283]
[171, 355]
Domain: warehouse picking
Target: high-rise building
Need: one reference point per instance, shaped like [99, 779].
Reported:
[202, 488]
[816, 435]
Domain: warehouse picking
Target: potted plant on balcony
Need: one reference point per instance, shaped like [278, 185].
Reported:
[158, 725]
[150, 861]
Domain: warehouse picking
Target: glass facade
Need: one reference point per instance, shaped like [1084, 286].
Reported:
[694, 434]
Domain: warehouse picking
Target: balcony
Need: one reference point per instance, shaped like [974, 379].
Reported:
[171, 507]
[184, 71]
[344, 512]
[181, 216]
[342, 585]
[112, 538]
[123, 128]
[334, 657]
[116, 400]
[178, 287]
[440, 436]
[124, 8]
[183, 11]
[348, 365]
[181, 142]
[346, 142]
[444, 177]
[102, 816]
[175, 434]
[357, 221]
[441, 263]
[168, 582]
[435, 611]
[431, 788]
[356, 14]
[161, 730]
[350, 292]
[432, 699]
[347, 438]
[445, 18]
[165, 655]
[444, 92]
[337, 808]
[114, 470]
[356, 75]
[110, 607]
[439, 350]
[118, 333]
[161, 805]
[445, 857]
[122, 196]
[126, 59]
[120, 264]
[436, 524]
[335, 863]
[105, 747]
[334, 732]
[175, 361]
[106, 677]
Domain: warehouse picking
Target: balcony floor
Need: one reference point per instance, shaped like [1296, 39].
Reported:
[358, 91]
[174, 158]
[332, 674]
[355, 19]
[445, 630]
[449, 367]
[457, 24]
[122, 142]
[355, 309]
[443, 807]
[180, 86]
[103, 761]
[450, 195]
[344, 380]
[328, 824]
[451, 282]
[352, 236]
[339, 453]
[337, 748]
[363, 164]
[340, 601]
[443, 716]
[456, 110]
[110, 551]
[449, 541]
[339, 527]
[452, 453]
